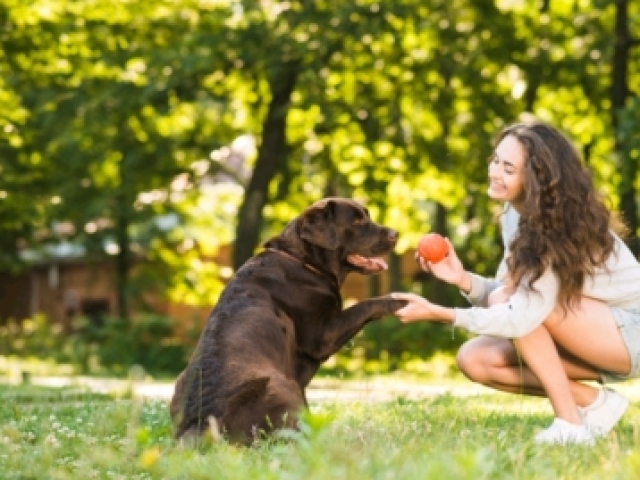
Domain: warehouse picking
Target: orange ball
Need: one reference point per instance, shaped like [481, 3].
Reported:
[433, 247]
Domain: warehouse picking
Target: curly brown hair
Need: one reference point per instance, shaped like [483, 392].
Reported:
[564, 224]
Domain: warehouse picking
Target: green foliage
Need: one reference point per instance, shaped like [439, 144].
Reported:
[112, 347]
[629, 138]
[392, 97]
[119, 344]
[116, 116]
[35, 337]
[477, 437]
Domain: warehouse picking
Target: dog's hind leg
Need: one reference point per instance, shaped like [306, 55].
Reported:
[262, 405]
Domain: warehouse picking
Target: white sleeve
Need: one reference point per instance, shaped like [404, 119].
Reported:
[482, 287]
[525, 310]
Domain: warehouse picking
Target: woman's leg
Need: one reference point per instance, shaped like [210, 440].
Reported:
[590, 333]
[573, 346]
[494, 362]
[539, 353]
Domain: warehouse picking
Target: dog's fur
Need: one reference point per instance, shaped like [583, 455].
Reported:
[278, 320]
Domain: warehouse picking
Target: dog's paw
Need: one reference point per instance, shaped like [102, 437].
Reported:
[393, 305]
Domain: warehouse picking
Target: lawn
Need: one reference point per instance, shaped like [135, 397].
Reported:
[72, 434]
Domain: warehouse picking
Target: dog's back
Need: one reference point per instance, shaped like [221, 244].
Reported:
[242, 370]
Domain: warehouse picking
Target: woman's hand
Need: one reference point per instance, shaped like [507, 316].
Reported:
[449, 269]
[419, 308]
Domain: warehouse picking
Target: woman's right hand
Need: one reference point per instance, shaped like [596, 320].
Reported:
[419, 308]
[449, 269]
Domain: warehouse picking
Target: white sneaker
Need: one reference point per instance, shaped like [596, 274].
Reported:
[602, 415]
[562, 432]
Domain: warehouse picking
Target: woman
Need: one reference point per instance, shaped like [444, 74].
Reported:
[565, 305]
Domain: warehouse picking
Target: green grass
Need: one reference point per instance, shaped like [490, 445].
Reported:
[70, 434]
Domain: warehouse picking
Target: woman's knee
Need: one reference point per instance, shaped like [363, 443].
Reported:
[478, 357]
[471, 359]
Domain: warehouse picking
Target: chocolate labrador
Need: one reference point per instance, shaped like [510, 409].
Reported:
[278, 319]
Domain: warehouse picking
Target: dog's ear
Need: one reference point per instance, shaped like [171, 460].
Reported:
[317, 226]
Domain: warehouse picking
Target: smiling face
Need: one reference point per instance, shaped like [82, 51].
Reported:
[506, 172]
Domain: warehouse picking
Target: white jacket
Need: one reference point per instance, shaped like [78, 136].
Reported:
[617, 285]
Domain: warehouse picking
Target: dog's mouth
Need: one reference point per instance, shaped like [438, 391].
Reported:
[370, 265]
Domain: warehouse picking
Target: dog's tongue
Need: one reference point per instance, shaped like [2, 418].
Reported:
[371, 264]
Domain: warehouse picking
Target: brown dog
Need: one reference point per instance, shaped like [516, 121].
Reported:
[277, 320]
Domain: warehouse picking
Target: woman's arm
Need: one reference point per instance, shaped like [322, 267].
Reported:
[480, 287]
[419, 308]
[524, 311]
[475, 288]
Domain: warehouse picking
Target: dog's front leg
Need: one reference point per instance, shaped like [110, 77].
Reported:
[344, 326]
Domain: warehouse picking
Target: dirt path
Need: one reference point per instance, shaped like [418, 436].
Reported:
[321, 389]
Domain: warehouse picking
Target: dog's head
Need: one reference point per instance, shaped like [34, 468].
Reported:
[344, 227]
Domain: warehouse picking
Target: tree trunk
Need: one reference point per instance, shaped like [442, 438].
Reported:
[122, 266]
[123, 205]
[395, 273]
[271, 153]
[438, 289]
[619, 94]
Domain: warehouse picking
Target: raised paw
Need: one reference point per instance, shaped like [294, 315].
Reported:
[394, 305]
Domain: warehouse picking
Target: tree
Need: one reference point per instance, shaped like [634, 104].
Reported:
[115, 113]
[627, 158]
[119, 119]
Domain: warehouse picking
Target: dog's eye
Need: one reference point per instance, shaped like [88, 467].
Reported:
[360, 221]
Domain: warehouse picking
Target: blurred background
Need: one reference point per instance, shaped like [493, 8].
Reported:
[148, 147]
